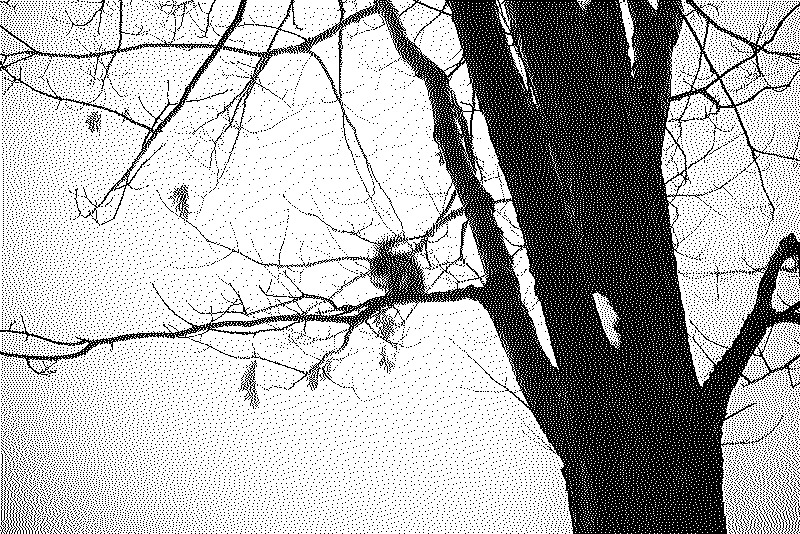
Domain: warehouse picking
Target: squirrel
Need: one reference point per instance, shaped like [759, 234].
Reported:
[394, 268]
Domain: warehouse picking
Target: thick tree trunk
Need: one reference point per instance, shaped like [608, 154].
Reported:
[661, 481]
[583, 167]
[657, 468]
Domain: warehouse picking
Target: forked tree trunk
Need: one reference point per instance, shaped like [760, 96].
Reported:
[639, 437]
[582, 161]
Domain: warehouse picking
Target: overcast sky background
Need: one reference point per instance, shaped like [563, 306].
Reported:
[154, 435]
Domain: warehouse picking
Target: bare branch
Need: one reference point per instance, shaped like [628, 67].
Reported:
[718, 387]
[348, 315]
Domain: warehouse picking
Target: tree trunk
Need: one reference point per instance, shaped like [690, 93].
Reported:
[582, 162]
[659, 480]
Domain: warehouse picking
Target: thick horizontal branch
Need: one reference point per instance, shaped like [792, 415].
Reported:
[350, 315]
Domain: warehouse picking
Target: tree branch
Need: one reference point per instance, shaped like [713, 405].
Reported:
[723, 378]
[501, 298]
[348, 315]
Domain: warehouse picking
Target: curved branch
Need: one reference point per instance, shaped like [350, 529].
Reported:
[723, 378]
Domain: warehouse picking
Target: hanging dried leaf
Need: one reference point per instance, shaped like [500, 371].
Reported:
[385, 325]
[93, 121]
[313, 377]
[180, 198]
[249, 385]
[385, 362]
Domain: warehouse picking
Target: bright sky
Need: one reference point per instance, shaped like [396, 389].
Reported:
[156, 436]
